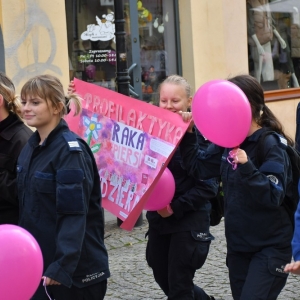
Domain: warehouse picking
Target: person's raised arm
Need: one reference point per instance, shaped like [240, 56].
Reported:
[71, 88]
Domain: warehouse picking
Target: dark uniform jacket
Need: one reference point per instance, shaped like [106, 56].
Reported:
[297, 137]
[13, 136]
[254, 216]
[190, 204]
[60, 205]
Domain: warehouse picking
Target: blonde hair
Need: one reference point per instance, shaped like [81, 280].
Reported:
[11, 100]
[49, 88]
[178, 80]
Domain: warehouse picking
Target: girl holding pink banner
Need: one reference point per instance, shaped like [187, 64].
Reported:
[178, 235]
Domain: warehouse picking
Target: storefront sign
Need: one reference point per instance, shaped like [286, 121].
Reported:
[103, 31]
[132, 142]
[98, 56]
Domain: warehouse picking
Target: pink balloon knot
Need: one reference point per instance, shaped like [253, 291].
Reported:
[233, 159]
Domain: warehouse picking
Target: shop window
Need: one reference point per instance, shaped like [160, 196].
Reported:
[92, 47]
[158, 55]
[91, 41]
[274, 42]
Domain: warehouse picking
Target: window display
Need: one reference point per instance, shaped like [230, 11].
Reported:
[157, 41]
[274, 42]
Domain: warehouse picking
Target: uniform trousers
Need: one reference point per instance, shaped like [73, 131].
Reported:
[174, 259]
[258, 275]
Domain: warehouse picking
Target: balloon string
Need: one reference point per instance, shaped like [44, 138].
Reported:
[44, 284]
[233, 159]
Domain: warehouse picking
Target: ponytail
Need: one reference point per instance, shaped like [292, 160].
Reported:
[76, 99]
[11, 100]
[268, 119]
[15, 105]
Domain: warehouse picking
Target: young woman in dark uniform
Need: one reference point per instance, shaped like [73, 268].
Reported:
[178, 236]
[13, 136]
[60, 197]
[258, 228]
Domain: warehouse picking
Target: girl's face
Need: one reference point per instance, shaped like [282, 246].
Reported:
[173, 97]
[38, 113]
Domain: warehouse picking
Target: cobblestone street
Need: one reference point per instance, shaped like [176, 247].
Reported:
[131, 278]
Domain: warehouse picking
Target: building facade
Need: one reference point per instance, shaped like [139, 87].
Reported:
[201, 40]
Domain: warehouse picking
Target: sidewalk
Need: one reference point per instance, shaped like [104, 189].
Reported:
[131, 278]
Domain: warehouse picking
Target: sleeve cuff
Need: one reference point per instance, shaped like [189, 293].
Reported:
[246, 168]
[189, 138]
[177, 210]
[57, 273]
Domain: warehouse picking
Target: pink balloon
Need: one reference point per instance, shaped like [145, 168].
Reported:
[162, 193]
[21, 263]
[222, 113]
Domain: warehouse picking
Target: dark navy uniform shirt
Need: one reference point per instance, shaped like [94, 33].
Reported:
[190, 204]
[60, 198]
[14, 134]
[254, 216]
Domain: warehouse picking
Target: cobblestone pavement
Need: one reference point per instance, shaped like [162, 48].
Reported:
[131, 278]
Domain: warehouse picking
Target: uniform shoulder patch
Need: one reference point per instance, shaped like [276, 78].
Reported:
[72, 141]
[283, 141]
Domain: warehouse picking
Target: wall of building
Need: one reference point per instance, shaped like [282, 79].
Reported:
[285, 111]
[213, 41]
[214, 46]
[35, 39]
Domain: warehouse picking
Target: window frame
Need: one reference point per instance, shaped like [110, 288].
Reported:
[283, 94]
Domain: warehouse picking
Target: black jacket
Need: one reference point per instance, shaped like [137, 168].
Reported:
[253, 194]
[191, 205]
[60, 205]
[13, 136]
[297, 137]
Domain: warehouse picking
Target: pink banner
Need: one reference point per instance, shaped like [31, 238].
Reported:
[132, 142]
